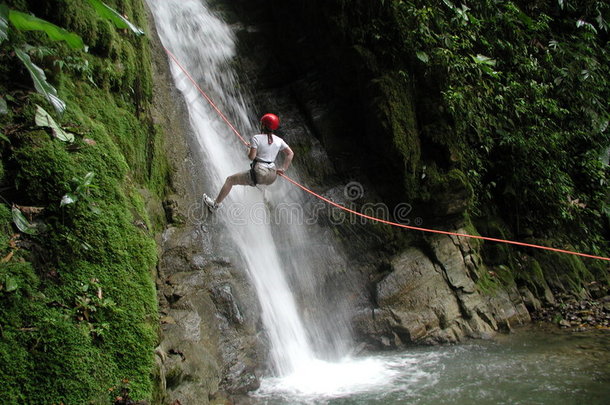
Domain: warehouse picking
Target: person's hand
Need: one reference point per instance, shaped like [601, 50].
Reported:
[280, 172]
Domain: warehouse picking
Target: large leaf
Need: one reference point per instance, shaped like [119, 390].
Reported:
[40, 81]
[27, 22]
[3, 23]
[111, 14]
[22, 223]
[44, 119]
[484, 60]
[87, 180]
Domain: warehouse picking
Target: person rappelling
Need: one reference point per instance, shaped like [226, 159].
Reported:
[263, 151]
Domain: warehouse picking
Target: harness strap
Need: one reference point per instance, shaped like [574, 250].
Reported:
[253, 172]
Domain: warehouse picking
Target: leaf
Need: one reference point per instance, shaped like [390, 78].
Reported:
[3, 23]
[423, 56]
[449, 4]
[44, 119]
[484, 60]
[88, 179]
[114, 16]
[68, 199]
[4, 138]
[3, 106]
[22, 223]
[28, 22]
[11, 284]
[588, 26]
[40, 81]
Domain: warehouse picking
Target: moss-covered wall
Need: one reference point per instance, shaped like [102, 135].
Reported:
[78, 311]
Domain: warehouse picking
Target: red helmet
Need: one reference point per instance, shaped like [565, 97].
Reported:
[270, 121]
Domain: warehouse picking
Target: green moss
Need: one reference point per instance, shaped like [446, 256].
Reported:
[45, 168]
[564, 272]
[397, 115]
[486, 283]
[59, 341]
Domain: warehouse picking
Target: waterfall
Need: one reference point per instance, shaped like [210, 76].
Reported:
[308, 355]
[205, 46]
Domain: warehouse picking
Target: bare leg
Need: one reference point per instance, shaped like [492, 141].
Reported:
[234, 180]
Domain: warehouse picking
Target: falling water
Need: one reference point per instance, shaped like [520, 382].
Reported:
[204, 45]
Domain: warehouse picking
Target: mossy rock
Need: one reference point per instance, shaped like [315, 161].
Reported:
[45, 169]
[494, 253]
[51, 352]
[450, 194]
[564, 272]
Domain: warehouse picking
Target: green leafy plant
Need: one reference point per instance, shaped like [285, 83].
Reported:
[40, 81]
[3, 23]
[44, 119]
[22, 223]
[115, 17]
[90, 305]
[28, 22]
[80, 192]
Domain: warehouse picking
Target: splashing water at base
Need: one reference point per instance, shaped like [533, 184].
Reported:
[530, 366]
[320, 378]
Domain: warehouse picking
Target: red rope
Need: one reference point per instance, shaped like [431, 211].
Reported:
[203, 93]
[415, 228]
[383, 221]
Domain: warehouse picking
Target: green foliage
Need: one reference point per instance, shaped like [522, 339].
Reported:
[22, 223]
[81, 191]
[3, 23]
[111, 14]
[44, 119]
[77, 302]
[28, 22]
[40, 81]
[524, 86]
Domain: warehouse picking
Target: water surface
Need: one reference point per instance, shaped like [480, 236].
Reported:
[529, 366]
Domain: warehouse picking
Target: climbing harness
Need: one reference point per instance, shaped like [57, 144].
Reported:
[383, 221]
[253, 171]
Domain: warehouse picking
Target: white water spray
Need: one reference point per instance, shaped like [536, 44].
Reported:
[204, 46]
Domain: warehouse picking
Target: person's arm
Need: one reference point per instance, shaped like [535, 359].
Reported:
[252, 153]
[287, 160]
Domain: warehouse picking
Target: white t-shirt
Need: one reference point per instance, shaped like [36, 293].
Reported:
[267, 152]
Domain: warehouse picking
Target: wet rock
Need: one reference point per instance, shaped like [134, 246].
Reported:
[209, 325]
[433, 298]
[531, 302]
[452, 195]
